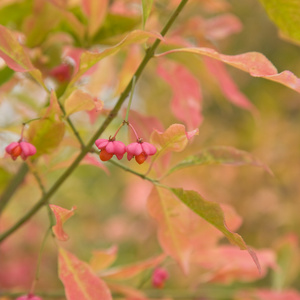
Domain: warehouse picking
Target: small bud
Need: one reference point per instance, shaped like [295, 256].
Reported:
[159, 276]
[61, 73]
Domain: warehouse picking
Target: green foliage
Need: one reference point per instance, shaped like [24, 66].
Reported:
[147, 6]
[114, 26]
[46, 135]
[286, 15]
[5, 75]
[219, 155]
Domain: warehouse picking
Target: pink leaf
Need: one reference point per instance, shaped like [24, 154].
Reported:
[129, 292]
[231, 264]
[15, 56]
[187, 97]
[80, 282]
[102, 259]
[222, 26]
[171, 218]
[61, 216]
[175, 138]
[227, 85]
[144, 124]
[265, 294]
[129, 271]
[96, 12]
[254, 63]
[79, 101]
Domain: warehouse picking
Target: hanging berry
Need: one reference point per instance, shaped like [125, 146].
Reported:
[140, 150]
[109, 148]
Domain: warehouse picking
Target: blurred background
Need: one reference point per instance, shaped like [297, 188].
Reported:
[111, 204]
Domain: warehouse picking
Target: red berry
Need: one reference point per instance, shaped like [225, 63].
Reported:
[16, 151]
[140, 158]
[104, 155]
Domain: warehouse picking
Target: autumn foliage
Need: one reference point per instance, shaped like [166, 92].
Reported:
[122, 124]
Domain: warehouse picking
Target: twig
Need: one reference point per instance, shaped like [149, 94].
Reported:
[149, 54]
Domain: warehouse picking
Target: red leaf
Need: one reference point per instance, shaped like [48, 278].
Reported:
[144, 124]
[61, 215]
[80, 282]
[227, 85]
[254, 63]
[187, 97]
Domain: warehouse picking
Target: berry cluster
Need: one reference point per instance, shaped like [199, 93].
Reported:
[108, 148]
[139, 150]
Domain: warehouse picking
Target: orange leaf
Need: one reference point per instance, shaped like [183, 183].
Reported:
[102, 259]
[79, 101]
[16, 57]
[79, 280]
[61, 215]
[129, 292]
[129, 271]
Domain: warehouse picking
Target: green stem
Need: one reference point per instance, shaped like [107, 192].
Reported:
[114, 162]
[76, 133]
[37, 273]
[130, 99]
[13, 186]
[149, 54]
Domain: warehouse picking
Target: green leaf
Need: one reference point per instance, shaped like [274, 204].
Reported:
[212, 213]
[147, 5]
[286, 15]
[220, 155]
[46, 135]
[88, 59]
[115, 25]
[5, 74]
[14, 14]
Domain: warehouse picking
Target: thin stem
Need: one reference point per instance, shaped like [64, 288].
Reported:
[37, 273]
[76, 133]
[135, 133]
[130, 98]
[114, 162]
[22, 132]
[149, 54]
[31, 120]
[123, 123]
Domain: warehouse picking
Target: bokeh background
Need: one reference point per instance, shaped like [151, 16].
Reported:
[111, 204]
